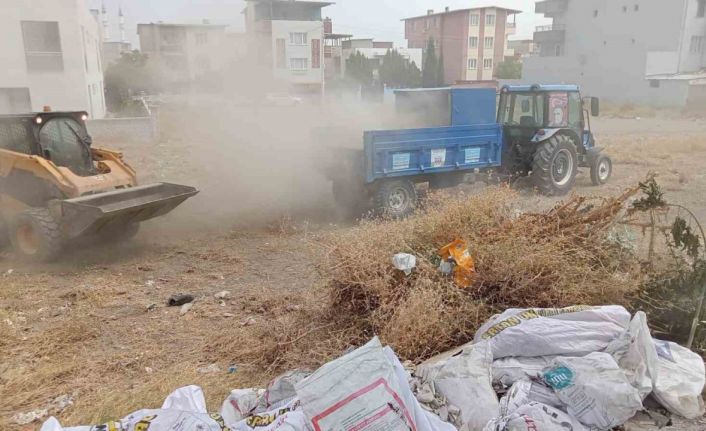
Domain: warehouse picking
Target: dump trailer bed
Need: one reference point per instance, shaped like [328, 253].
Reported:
[426, 152]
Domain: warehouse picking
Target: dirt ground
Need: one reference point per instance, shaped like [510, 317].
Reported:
[95, 328]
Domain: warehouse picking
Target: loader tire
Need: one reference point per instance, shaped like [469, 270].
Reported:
[555, 165]
[36, 236]
[396, 199]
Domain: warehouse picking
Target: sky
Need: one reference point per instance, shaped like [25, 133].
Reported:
[379, 19]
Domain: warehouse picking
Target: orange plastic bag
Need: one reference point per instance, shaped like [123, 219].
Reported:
[464, 269]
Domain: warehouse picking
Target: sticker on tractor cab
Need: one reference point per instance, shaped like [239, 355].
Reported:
[438, 157]
[400, 161]
[99, 177]
[558, 110]
[472, 155]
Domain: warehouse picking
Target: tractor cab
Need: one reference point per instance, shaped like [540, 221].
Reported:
[59, 137]
[550, 121]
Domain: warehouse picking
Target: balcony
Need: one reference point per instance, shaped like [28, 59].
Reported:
[551, 8]
[550, 34]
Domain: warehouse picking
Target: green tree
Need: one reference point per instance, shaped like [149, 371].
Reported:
[511, 68]
[129, 75]
[433, 73]
[359, 70]
[398, 72]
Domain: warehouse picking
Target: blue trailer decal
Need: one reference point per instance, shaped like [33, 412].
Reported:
[397, 153]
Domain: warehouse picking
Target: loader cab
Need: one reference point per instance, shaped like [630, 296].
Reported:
[534, 113]
[60, 137]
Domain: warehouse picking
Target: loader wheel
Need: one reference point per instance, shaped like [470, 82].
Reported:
[396, 199]
[601, 170]
[36, 235]
[555, 165]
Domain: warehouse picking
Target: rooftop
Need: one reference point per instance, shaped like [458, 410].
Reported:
[168, 24]
[510, 12]
[313, 3]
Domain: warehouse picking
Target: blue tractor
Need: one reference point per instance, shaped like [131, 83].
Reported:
[540, 131]
[547, 135]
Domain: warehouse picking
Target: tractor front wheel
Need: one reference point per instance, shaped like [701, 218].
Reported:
[601, 170]
[396, 198]
[555, 165]
[36, 235]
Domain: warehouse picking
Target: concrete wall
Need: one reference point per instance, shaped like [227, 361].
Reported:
[693, 26]
[608, 54]
[79, 86]
[143, 129]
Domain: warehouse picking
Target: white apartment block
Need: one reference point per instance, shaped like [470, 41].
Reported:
[287, 38]
[51, 56]
[642, 51]
[184, 53]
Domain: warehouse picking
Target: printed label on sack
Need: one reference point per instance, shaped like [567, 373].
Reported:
[438, 157]
[530, 314]
[559, 378]
[664, 351]
[375, 407]
[472, 155]
[400, 161]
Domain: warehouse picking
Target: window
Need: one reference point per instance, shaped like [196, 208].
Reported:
[281, 54]
[522, 109]
[42, 45]
[488, 63]
[558, 50]
[297, 38]
[625, 9]
[316, 53]
[298, 63]
[201, 38]
[654, 83]
[575, 111]
[636, 8]
[595, 13]
[475, 20]
[473, 42]
[488, 43]
[14, 136]
[701, 9]
[490, 20]
[697, 44]
[472, 63]
[66, 142]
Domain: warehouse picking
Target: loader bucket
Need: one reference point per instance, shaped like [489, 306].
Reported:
[116, 209]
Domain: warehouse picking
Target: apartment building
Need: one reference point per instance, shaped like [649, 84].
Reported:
[286, 38]
[472, 41]
[643, 51]
[184, 53]
[50, 57]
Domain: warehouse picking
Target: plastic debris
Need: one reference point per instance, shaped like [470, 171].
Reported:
[209, 369]
[457, 257]
[680, 380]
[404, 262]
[185, 308]
[222, 294]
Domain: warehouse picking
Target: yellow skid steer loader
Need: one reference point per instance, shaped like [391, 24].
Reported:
[55, 188]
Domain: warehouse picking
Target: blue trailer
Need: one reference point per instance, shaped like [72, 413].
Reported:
[540, 131]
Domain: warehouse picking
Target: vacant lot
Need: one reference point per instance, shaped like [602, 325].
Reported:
[96, 327]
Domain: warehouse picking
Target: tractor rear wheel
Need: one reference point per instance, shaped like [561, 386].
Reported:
[396, 198]
[36, 235]
[555, 165]
[601, 170]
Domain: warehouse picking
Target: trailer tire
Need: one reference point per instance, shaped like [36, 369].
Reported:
[555, 165]
[601, 170]
[396, 198]
[36, 235]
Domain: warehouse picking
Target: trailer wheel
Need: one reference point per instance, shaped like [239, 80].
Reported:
[36, 235]
[601, 170]
[555, 165]
[396, 198]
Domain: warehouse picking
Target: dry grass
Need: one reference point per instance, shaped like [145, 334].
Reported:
[552, 259]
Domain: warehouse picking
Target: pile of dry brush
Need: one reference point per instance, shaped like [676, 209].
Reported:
[557, 258]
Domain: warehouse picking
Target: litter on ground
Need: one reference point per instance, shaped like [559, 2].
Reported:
[577, 368]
